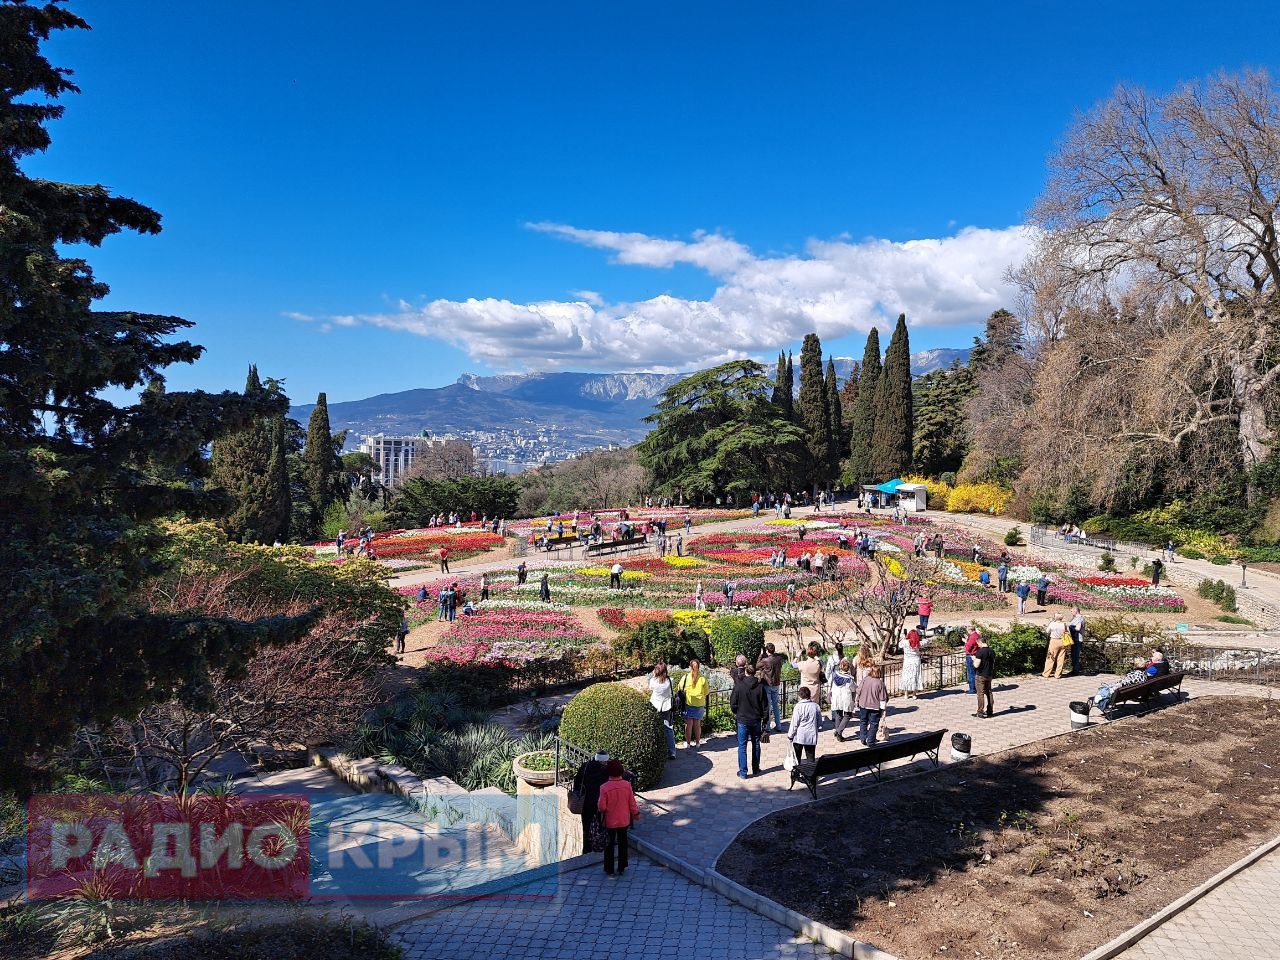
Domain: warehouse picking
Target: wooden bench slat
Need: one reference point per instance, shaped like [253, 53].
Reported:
[810, 772]
[1141, 691]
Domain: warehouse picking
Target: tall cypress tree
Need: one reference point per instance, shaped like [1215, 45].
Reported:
[814, 411]
[781, 397]
[849, 402]
[891, 439]
[791, 389]
[862, 420]
[241, 465]
[322, 467]
[279, 503]
[835, 415]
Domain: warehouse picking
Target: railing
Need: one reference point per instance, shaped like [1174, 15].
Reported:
[1231, 665]
[568, 756]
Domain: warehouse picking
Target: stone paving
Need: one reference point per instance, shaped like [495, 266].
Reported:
[701, 804]
[1236, 921]
[650, 913]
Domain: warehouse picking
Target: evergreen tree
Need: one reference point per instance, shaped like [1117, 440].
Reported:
[863, 418]
[891, 437]
[940, 430]
[322, 465]
[849, 402]
[814, 411]
[835, 416]
[781, 397]
[1000, 341]
[242, 465]
[85, 480]
[791, 390]
[279, 502]
[718, 432]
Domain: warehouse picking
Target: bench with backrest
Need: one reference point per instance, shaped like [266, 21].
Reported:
[555, 543]
[613, 546]
[1146, 690]
[809, 772]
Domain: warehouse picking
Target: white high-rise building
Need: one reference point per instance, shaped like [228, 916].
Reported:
[395, 455]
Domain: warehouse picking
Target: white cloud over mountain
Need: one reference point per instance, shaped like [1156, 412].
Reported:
[836, 287]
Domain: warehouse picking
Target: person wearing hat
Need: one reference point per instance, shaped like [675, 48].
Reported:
[618, 810]
[591, 776]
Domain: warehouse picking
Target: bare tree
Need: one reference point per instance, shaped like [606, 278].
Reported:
[442, 460]
[1179, 195]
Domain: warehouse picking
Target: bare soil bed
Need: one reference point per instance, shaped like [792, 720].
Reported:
[1043, 851]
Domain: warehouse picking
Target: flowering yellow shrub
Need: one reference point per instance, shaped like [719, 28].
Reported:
[683, 563]
[939, 492]
[699, 619]
[978, 498]
[784, 522]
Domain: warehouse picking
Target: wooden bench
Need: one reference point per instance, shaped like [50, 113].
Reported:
[555, 543]
[809, 772]
[613, 546]
[1146, 690]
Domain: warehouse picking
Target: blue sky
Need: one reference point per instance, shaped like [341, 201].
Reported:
[620, 185]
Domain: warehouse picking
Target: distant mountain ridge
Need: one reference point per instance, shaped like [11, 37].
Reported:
[574, 411]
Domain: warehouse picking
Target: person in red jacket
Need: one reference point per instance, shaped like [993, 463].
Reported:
[617, 806]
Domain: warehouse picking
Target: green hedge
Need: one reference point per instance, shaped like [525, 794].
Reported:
[1220, 592]
[736, 634]
[619, 719]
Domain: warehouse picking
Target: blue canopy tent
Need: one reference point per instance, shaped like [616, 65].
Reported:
[912, 496]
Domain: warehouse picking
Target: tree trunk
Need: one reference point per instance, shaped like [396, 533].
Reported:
[1254, 438]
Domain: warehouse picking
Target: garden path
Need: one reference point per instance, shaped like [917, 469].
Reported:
[1236, 921]
[584, 915]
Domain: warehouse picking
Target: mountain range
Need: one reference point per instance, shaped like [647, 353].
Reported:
[570, 411]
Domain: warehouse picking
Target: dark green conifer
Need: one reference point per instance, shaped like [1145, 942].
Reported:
[891, 437]
[863, 418]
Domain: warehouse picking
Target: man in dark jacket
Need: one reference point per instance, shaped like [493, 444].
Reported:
[750, 706]
[591, 776]
[769, 673]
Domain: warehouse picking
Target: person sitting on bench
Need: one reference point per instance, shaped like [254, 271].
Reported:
[1102, 699]
[1157, 666]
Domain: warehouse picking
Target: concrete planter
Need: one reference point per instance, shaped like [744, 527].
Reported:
[535, 778]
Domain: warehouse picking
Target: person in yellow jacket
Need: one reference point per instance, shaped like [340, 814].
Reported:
[695, 688]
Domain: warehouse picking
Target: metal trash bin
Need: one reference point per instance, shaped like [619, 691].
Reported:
[961, 747]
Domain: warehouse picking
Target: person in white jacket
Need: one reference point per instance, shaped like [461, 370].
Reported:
[803, 731]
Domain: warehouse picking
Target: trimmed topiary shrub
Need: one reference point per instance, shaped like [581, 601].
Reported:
[1013, 537]
[1107, 563]
[619, 719]
[1191, 553]
[735, 634]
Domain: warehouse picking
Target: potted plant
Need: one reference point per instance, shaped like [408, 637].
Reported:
[536, 768]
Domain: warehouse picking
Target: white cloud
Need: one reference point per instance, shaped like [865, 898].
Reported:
[837, 287]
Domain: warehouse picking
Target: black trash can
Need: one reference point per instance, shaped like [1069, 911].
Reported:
[961, 746]
[1079, 714]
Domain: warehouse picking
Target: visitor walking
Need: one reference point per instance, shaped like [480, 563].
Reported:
[769, 673]
[544, 588]
[444, 559]
[803, 730]
[591, 776]
[618, 810]
[1168, 550]
[1022, 591]
[984, 662]
[1076, 628]
[615, 577]
[1157, 567]
[843, 686]
[811, 674]
[695, 688]
[872, 701]
[1059, 640]
[750, 706]
[522, 573]
[910, 646]
[661, 698]
[401, 634]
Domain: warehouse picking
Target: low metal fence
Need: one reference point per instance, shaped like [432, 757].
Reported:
[1251, 665]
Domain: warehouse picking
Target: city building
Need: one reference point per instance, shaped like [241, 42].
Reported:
[395, 455]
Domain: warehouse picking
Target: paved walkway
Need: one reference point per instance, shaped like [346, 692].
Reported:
[701, 804]
[1237, 921]
[584, 915]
